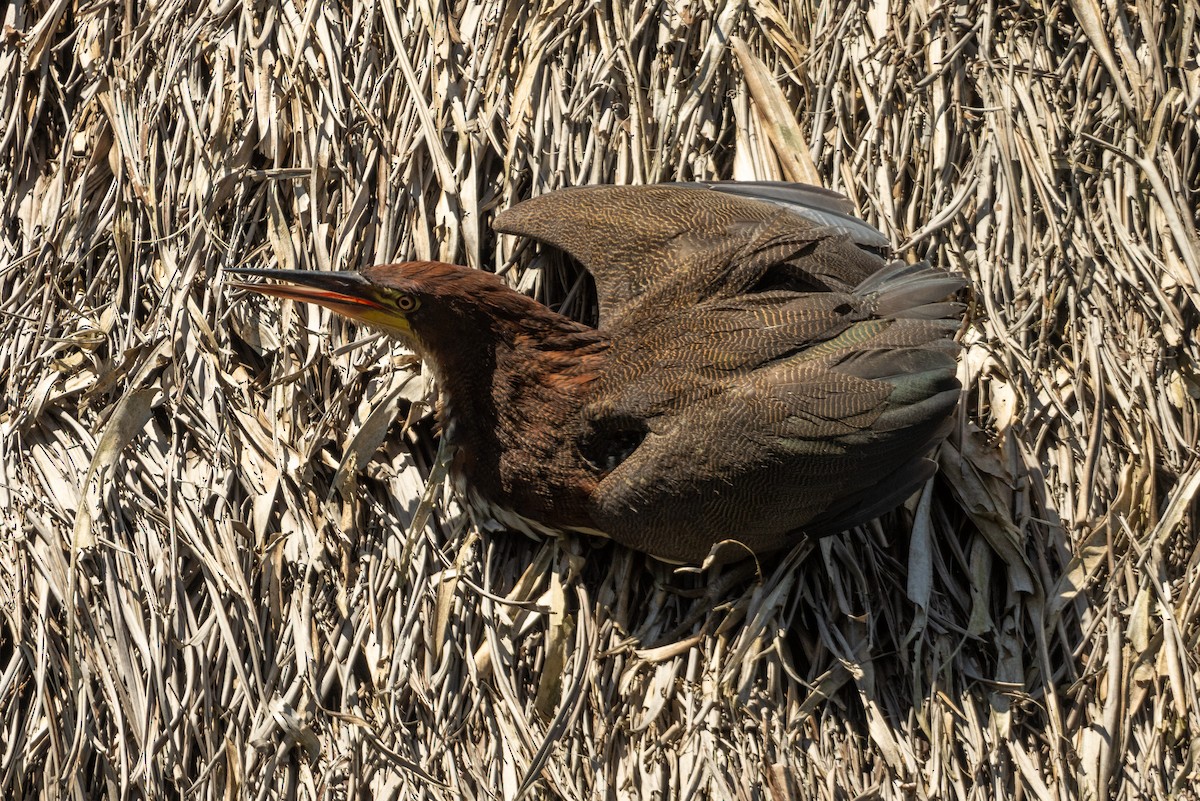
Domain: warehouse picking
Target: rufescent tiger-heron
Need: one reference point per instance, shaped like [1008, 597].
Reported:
[760, 370]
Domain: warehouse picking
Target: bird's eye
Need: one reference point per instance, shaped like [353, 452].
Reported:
[406, 303]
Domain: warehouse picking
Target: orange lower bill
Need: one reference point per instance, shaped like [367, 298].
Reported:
[346, 293]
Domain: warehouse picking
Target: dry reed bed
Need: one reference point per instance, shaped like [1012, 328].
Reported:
[217, 577]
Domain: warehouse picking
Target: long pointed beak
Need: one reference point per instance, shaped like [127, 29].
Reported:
[346, 293]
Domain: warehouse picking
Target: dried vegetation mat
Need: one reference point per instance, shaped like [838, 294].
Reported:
[222, 573]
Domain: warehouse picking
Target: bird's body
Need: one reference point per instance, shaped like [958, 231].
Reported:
[759, 370]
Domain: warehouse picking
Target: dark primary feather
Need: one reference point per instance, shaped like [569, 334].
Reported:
[822, 206]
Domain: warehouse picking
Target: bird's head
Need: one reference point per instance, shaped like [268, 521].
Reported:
[428, 304]
[512, 373]
[452, 316]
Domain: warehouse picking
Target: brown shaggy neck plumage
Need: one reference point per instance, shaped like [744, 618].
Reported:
[511, 372]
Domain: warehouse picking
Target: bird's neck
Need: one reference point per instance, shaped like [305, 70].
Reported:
[510, 404]
[529, 374]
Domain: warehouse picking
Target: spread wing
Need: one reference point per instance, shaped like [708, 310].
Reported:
[671, 246]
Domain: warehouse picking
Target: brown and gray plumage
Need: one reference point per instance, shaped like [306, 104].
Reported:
[759, 371]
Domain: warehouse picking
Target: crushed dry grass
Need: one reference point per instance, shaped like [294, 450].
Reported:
[215, 573]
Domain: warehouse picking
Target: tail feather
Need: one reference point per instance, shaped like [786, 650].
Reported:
[875, 499]
[913, 291]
